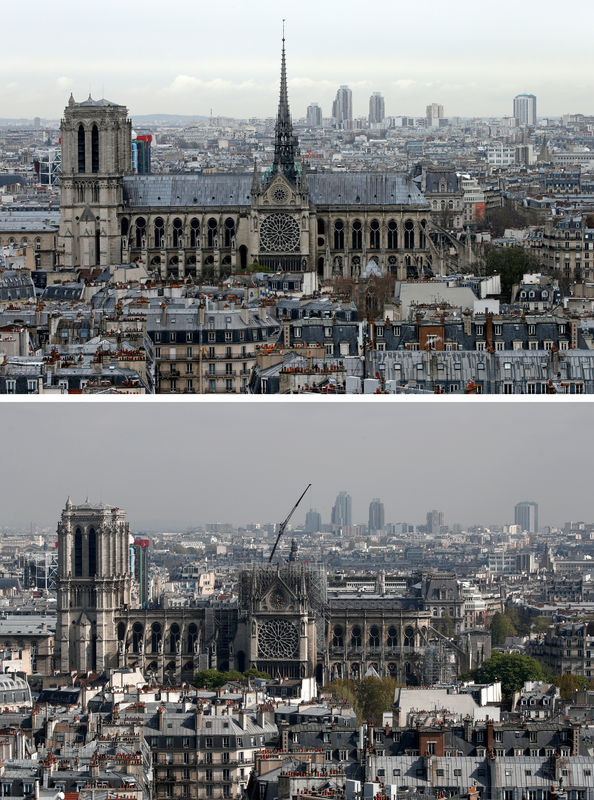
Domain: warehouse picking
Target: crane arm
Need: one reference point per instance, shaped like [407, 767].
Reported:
[285, 522]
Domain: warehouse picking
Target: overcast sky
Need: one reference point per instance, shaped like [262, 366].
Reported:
[171, 465]
[188, 57]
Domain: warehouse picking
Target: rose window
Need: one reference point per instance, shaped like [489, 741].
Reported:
[277, 638]
[280, 195]
[279, 233]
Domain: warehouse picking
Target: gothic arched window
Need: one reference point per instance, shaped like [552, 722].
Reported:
[338, 636]
[422, 243]
[95, 149]
[173, 637]
[137, 636]
[229, 231]
[212, 231]
[92, 552]
[356, 636]
[374, 637]
[194, 232]
[78, 553]
[374, 235]
[177, 229]
[357, 237]
[155, 637]
[409, 235]
[339, 235]
[140, 230]
[392, 235]
[81, 149]
[192, 637]
[159, 230]
[392, 640]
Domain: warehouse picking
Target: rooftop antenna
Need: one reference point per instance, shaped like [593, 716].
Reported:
[285, 522]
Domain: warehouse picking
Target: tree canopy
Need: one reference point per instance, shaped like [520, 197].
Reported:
[212, 679]
[510, 263]
[369, 697]
[511, 669]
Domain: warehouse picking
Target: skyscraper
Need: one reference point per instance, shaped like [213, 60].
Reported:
[377, 109]
[376, 515]
[341, 513]
[342, 108]
[526, 516]
[525, 109]
[434, 114]
[435, 520]
[139, 568]
[313, 521]
[314, 116]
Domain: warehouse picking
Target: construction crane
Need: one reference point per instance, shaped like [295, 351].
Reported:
[285, 522]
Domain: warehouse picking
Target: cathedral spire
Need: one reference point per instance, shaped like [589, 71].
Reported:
[285, 143]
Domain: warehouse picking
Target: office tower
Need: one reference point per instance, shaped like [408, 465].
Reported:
[141, 154]
[526, 516]
[435, 520]
[313, 521]
[342, 108]
[341, 513]
[376, 515]
[314, 116]
[525, 109]
[434, 114]
[139, 568]
[377, 109]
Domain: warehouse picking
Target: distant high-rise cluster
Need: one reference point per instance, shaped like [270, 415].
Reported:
[525, 109]
[526, 516]
[376, 515]
[314, 116]
[434, 114]
[435, 521]
[342, 108]
[313, 521]
[377, 109]
[341, 512]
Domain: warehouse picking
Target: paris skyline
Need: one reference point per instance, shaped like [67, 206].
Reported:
[472, 64]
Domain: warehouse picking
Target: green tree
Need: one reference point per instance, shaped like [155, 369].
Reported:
[369, 697]
[446, 625]
[256, 673]
[374, 696]
[510, 263]
[501, 628]
[209, 679]
[568, 684]
[511, 669]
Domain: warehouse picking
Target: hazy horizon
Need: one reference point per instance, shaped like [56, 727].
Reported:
[184, 62]
[171, 465]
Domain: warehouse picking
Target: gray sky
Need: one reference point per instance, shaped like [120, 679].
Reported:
[173, 464]
[188, 57]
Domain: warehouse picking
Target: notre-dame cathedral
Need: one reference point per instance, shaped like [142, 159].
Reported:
[283, 622]
[191, 225]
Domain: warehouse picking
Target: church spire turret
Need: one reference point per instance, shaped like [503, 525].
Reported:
[285, 143]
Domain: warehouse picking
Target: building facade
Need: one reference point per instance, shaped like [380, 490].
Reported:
[194, 225]
[284, 621]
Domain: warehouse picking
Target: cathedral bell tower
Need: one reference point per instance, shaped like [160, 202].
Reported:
[96, 154]
[94, 582]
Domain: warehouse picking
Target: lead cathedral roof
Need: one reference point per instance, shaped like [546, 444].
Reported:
[335, 189]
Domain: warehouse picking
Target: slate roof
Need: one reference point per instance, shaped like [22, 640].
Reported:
[336, 189]
[37, 221]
